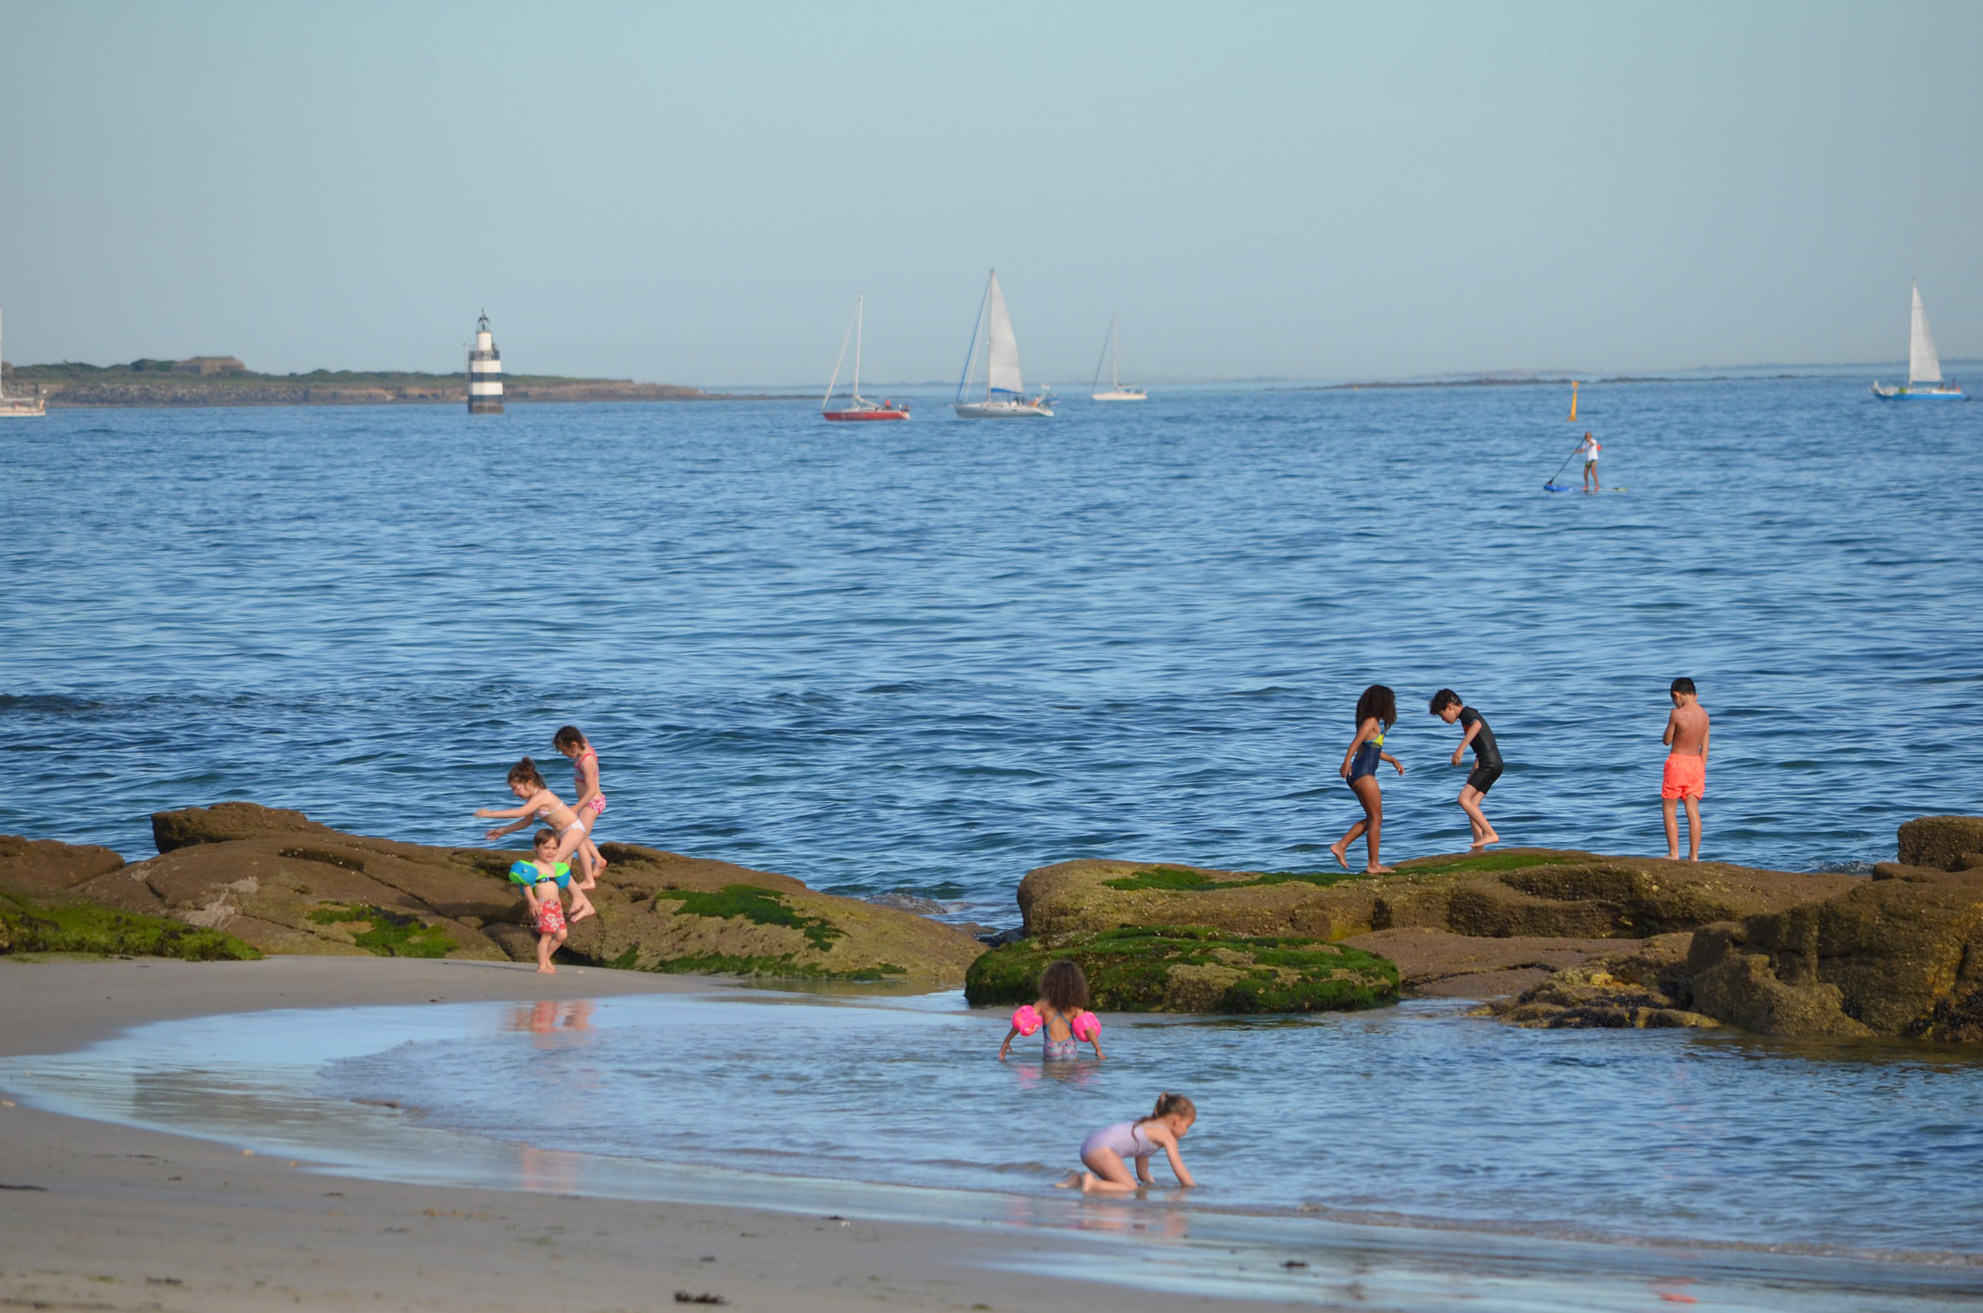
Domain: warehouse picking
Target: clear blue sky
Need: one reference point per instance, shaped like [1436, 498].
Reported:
[695, 193]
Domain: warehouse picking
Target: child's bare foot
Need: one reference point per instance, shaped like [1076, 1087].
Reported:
[1376, 868]
[547, 971]
[578, 915]
[1342, 859]
[1485, 839]
[1069, 1182]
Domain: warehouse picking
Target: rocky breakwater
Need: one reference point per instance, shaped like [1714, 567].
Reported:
[1899, 955]
[1154, 936]
[278, 882]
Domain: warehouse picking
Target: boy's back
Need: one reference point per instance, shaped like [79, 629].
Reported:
[1690, 729]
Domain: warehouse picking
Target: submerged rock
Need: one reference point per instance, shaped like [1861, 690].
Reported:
[1192, 969]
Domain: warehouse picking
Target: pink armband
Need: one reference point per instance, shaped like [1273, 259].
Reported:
[1087, 1026]
[1025, 1018]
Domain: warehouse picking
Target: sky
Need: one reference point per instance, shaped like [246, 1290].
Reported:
[695, 193]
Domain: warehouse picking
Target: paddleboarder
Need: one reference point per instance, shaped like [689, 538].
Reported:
[1589, 449]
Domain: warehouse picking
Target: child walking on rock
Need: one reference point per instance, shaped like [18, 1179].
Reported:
[1376, 712]
[1487, 764]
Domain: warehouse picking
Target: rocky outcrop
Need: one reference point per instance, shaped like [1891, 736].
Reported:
[43, 911]
[1897, 956]
[1945, 843]
[287, 884]
[1192, 970]
[1519, 893]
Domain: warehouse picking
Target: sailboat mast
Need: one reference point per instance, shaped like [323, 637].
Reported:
[860, 310]
[971, 360]
[1115, 372]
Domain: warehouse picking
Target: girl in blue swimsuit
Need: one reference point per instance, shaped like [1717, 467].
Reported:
[1376, 712]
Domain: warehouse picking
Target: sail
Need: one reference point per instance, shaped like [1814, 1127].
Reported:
[1923, 365]
[1004, 375]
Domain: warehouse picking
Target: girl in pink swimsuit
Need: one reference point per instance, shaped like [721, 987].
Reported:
[591, 802]
[1107, 1152]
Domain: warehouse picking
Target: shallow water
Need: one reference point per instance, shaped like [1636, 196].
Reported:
[929, 656]
[1416, 1116]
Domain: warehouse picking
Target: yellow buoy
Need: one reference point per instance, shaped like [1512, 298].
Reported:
[1573, 401]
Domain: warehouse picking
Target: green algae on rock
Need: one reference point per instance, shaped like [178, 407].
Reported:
[59, 925]
[386, 933]
[1192, 969]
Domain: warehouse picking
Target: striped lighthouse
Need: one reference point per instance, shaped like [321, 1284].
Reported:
[485, 372]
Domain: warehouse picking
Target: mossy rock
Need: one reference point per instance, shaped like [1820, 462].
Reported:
[1192, 969]
[62, 925]
[384, 932]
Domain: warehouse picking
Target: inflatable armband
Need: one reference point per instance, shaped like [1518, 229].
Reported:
[1025, 1018]
[1087, 1026]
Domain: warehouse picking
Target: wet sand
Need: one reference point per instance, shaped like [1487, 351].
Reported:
[97, 1216]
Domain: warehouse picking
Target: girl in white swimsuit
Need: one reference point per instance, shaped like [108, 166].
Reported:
[538, 800]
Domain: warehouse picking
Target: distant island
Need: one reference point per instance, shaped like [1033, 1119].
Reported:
[227, 381]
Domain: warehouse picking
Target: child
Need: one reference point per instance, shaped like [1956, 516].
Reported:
[1106, 1153]
[541, 881]
[1590, 448]
[1376, 711]
[1063, 1000]
[1686, 773]
[1487, 762]
[591, 802]
[538, 800]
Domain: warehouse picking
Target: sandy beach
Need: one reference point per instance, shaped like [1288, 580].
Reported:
[95, 1216]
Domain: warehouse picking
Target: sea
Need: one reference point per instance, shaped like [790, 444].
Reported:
[923, 658]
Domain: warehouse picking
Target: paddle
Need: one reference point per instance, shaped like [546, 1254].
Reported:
[1552, 485]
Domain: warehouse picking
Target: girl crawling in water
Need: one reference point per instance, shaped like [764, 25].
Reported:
[1107, 1152]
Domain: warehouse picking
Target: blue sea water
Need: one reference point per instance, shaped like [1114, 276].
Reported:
[930, 656]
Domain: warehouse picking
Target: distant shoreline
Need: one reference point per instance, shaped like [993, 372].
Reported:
[155, 383]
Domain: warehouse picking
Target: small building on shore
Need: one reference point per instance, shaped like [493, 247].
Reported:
[207, 366]
[485, 372]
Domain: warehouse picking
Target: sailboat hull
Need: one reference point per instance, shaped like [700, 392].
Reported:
[846, 416]
[21, 407]
[1120, 394]
[1002, 410]
[1919, 394]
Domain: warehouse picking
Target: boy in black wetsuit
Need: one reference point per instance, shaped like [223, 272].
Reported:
[1486, 762]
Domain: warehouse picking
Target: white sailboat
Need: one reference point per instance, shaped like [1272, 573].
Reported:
[1005, 394]
[1924, 367]
[1116, 391]
[20, 405]
[859, 407]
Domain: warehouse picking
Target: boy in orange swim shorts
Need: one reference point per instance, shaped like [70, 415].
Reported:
[1686, 776]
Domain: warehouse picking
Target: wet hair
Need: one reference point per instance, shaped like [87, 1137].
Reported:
[1167, 1104]
[568, 737]
[1441, 700]
[1379, 701]
[525, 772]
[1683, 685]
[542, 837]
[1063, 985]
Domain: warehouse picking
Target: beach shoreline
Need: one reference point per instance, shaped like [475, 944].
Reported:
[103, 1216]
